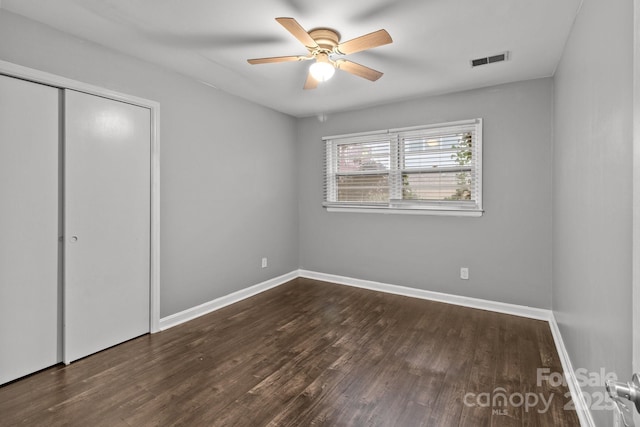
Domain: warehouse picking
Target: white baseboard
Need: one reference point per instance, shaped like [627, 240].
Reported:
[499, 307]
[582, 409]
[584, 414]
[218, 303]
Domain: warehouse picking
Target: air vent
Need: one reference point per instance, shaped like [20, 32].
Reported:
[490, 59]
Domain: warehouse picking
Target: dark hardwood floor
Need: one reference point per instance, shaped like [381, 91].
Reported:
[309, 353]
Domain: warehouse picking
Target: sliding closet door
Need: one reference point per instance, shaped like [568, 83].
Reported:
[29, 301]
[107, 223]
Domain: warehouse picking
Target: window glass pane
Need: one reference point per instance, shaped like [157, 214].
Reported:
[357, 157]
[437, 151]
[363, 188]
[437, 186]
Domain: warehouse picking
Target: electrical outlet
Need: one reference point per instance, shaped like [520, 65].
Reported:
[264, 262]
[464, 273]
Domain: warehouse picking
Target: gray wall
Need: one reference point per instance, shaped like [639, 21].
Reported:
[592, 210]
[507, 250]
[213, 236]
[216, 222]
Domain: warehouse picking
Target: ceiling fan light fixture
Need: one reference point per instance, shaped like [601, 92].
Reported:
[322, 71]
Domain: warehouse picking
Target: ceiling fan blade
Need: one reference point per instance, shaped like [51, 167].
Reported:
[298, 32]
[368, 41]
[311, 83]
[358, 70]
[275, 59]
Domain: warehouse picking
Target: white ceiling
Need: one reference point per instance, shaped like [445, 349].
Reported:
[433, 42]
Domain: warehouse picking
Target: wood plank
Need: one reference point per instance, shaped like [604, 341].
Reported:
[307, 353]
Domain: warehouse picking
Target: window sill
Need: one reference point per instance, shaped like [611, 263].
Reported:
[384, 210]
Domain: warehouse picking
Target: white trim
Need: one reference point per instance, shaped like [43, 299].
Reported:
[437, 126]
[482, 304]
[154, 265]
[218, 303]
[477, 152]
[42, 77]
[37, 76]
[404, 129]
[635, 249]
[381, 132]
[407, 211]
[582, 409]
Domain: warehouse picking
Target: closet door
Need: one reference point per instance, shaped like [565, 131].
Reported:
[107, 223]
[29, 297]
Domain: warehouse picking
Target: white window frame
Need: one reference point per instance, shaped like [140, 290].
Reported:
[395, 205]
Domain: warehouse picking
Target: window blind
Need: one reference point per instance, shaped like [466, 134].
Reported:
[427, 167]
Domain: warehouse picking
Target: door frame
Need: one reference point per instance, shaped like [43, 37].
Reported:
[636, 187]
[37, 76]
[635, 251]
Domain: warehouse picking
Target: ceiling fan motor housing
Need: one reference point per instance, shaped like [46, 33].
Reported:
[326, 38]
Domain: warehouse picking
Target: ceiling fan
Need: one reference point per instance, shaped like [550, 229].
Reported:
[322, 43]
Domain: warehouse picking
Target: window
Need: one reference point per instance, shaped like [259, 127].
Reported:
[427, 169]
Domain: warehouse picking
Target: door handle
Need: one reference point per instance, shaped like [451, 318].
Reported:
[624, 393]
[74, 239]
